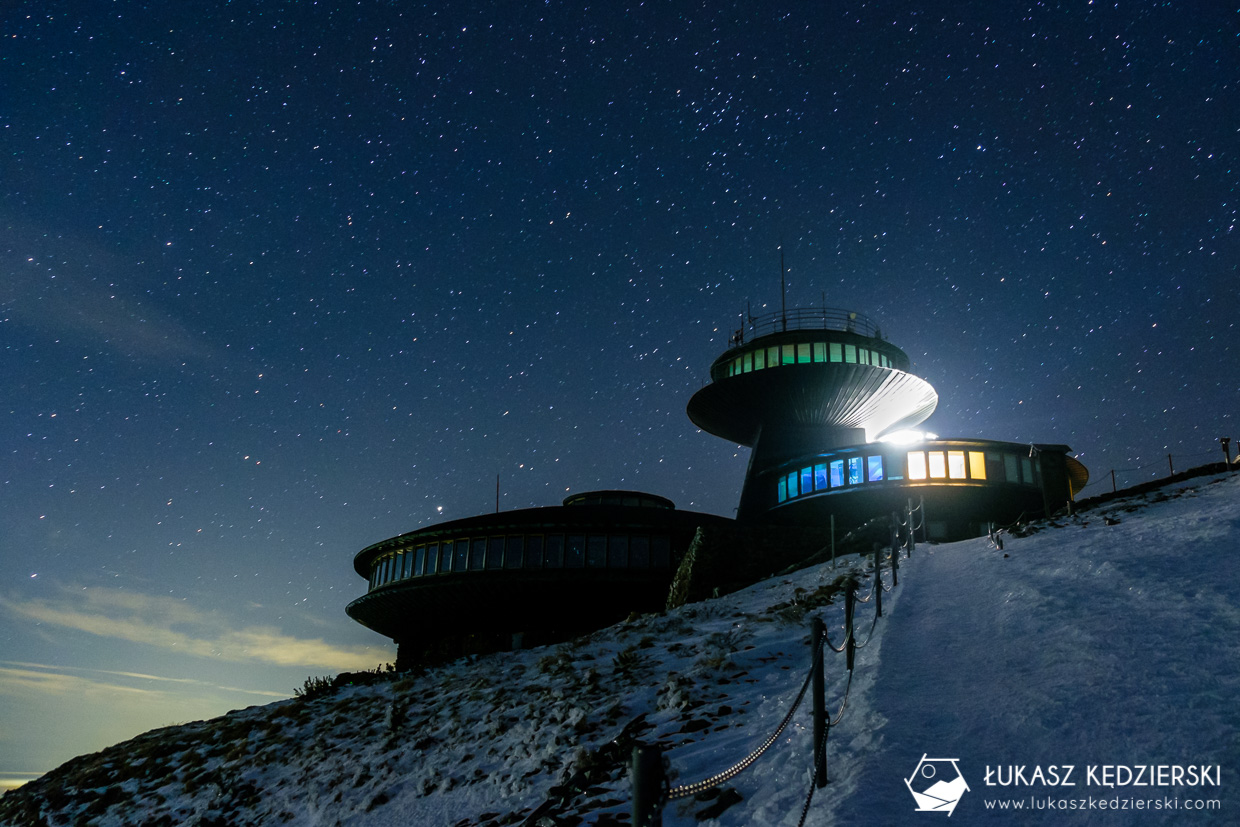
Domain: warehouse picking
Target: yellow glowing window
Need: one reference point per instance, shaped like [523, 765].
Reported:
[916, 465]
[977, 465]
[955, 465]
[837, 352]
[938, 465]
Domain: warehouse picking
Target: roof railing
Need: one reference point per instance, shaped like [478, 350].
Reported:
[806, 318]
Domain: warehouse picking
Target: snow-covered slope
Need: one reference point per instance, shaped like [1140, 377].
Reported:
[1109, 639]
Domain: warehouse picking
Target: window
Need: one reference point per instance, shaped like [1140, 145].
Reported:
[874, 469]
[419, 560]
[850, 354]
[431, 564]
[894, 469]
[759, 359]
[1026, 470]
[955, 465]
[772, 356]
[820, 351]
[781, 493]
[837, 352]
[596, 551]
[661, 552]
[575, 551]
[820, 477]
[747, 363]
[916, 465]
[1010, 471]
[837, 473]
[863, 356]
[514, 551]
[803, 352]
[807, 480]
[855, 474]
[790, 354]
[477, 554]
[639, 551]
[977, 465]
[792, 485]
[452, 557]
[618, 551]
[554, 551]
[534, 551]
[938, 465]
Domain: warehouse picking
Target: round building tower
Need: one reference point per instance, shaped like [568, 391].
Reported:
[807, 381]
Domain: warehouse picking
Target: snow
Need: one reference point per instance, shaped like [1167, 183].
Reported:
[1111, 638]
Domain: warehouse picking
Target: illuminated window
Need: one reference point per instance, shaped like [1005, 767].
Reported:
[850, 353]
[875, 468]
[514, 551]
[916, 465]
[772, 356]
[789, 354]
[977, 465]
[938, 465]
[855, 474]
[837, 473]
[863, 356]
[747, 363]
[792, 485]
[955, 465]
[736, 365]
[534, 551]
[803, 352]
[759, 359]
[1010, 469]
[820, 477]
[807, 480]
[820, 351]
[837, 352]
[781, 493]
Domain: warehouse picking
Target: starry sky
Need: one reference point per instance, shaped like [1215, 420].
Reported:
[281, 280]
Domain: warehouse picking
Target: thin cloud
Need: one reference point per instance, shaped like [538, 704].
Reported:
[176, 626]
[28, 673]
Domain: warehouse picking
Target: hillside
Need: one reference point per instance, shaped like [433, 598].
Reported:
[1111, 638]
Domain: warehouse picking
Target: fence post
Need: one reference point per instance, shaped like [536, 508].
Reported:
[1113, 488]
[1170, 466]
[895, 563]
[646, 779]
[817, 633]
[850, 645]
[878, 583]
[912, 538]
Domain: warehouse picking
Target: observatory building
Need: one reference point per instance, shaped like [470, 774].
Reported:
[818, 395]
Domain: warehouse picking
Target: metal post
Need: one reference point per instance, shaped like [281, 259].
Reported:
[1226, 442]
[895, 559]
[912, 538]
[1170, 466]
[817, 633]
[878, 582]
[646, 778]
[833, 541]
[850, 645]
[1113, 488]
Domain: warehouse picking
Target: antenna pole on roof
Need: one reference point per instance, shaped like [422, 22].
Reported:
[783, 290]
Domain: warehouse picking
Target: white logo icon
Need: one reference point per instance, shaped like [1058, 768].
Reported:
[936, 785]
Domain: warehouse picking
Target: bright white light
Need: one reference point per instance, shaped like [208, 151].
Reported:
[907, 437]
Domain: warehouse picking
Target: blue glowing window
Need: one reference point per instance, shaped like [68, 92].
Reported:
[820, 477]
[792, 485]
[837, 473]
[875, 468]
[807, 480]
[854, 471]
[781, 493]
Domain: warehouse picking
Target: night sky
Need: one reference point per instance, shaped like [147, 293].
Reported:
[281, 280]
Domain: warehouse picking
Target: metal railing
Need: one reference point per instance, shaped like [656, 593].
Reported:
[807, 318]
